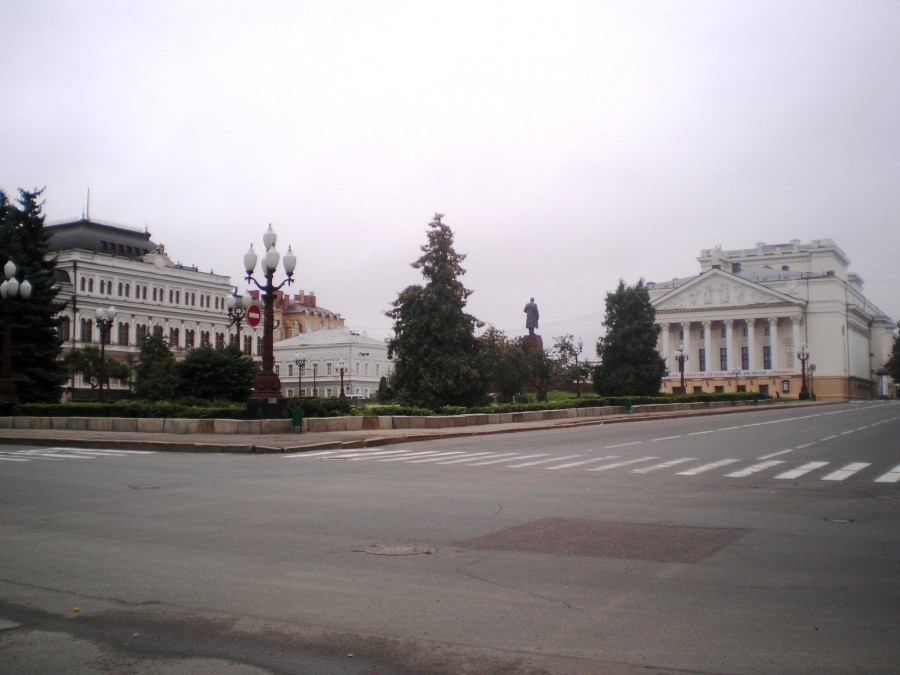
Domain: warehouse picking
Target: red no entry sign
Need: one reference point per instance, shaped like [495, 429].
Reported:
[253, 315]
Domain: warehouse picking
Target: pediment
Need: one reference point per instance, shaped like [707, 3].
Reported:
[718, 289]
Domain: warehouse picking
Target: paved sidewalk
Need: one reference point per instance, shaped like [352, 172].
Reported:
[301, 442]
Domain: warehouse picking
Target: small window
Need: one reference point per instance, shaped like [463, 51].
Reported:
[785, 386]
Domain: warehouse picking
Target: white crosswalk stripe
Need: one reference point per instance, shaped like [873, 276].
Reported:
[847, 471]
[585, 462]
[756, 468]
[61, 453]
[802, 470]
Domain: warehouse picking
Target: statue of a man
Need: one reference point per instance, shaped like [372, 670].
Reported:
[531, 316]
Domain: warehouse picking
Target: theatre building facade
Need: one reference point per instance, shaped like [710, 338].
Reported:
[742, 321]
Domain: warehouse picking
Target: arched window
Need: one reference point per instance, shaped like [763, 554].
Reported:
[90, 285]
[124, 333]
[87, 330]
[63, 329]
[83, 284]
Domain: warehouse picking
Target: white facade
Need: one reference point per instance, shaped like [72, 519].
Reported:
[101, 264]
[744, 318]
[365, 361]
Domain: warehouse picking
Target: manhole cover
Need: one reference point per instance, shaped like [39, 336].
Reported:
[378, 549]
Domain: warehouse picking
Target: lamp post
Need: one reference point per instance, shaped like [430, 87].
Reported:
[681, 356]
[10, 288]
[315, 373]
[803, 355]
[736, 374]
[300, 361]
[812, 390]
[267, 385]
[105, 317]
[342, 369]
[578, 368]
[236, 313]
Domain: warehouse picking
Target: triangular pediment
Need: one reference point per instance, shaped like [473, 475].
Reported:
[717, 289]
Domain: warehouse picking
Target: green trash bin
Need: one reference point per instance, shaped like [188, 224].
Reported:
[297, 419]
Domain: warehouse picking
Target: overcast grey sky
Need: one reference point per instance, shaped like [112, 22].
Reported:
[569, 144]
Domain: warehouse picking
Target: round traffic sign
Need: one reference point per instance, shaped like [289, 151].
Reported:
[253, 315]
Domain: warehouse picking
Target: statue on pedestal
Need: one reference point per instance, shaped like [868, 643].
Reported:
[531, 317]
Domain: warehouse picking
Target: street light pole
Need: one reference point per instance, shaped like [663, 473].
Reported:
[681, 356]
[236, 314]
[300, 361]
[10, 289]
[803, 355]
[315, 373]
[812, 389]
[578, 369]
[267, 385]
[105, 319]
[342, 368]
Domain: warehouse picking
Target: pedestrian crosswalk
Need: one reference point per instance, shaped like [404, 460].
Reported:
[60, 454]
[729, 467]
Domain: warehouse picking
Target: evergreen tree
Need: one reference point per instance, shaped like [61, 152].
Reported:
[893, 364]
[36, 345]
[217, 373]
[630, 365]
[434, 338]
[155, 373]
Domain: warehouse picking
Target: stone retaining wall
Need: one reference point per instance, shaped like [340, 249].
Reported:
[351, 423]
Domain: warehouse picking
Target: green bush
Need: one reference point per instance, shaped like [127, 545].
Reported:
[140, 409]
[322, 406]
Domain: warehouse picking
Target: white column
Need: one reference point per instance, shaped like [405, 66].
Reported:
[751, 344]
[729, 343]
[686, 327]
[707, 342]
[775, 343]
[664, 337]
[795, 320]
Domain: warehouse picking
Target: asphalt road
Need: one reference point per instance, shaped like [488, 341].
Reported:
[764, 542]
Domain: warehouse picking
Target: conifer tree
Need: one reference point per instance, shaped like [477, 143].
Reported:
[36, 345]
[434, 338]
[155, 374]
[630, 364]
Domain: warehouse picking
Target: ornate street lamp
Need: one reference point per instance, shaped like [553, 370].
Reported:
[803, 355]
[267, 385]
[10, 289]
[812, 389]
[236, 313]
[342, 369]
[736, 373]
[681, 356]
[105, 318]
[578, 368]
[315, 373]
[300, 361]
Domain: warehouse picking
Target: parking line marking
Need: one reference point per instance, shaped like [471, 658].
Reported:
[622, 445]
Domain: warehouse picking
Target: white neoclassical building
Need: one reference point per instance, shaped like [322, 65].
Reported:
[102, 264]
[743, 319]
[324, 353]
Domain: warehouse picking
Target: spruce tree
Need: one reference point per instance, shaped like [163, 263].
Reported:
[434, 338]
[155, 374]
[36, 344]
[630, 364]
